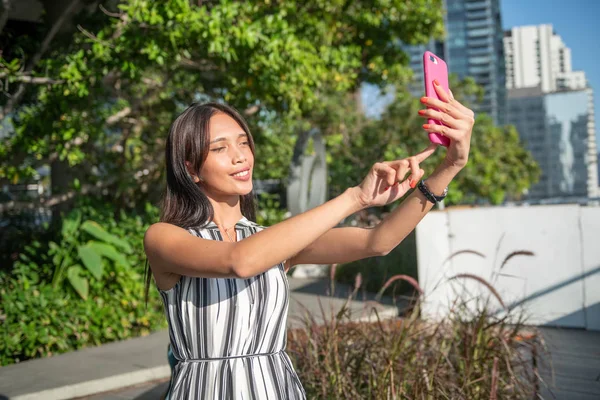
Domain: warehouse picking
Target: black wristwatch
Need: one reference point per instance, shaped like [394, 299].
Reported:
[430, 196]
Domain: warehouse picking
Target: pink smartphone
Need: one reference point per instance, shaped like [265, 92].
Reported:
[435, 68]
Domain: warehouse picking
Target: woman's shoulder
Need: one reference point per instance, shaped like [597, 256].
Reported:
[160, 228]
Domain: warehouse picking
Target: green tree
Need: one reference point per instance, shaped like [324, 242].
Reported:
[96, 104]
[499, 166]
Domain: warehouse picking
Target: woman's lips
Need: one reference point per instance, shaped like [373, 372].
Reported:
[245, 176]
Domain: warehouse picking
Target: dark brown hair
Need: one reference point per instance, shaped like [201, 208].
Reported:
[183, 202]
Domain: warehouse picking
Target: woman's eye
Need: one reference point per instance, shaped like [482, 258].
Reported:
[218, 149]
[245, 142]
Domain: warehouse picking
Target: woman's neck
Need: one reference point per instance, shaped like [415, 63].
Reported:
[226, 214]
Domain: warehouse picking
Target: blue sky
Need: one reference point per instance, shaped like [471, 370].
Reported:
[576, 21]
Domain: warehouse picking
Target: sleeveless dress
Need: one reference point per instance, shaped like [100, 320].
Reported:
[229, 335]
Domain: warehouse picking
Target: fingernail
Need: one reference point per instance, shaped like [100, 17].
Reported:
[413, 184]
[387, 188]
[425, 126]
[423, 99]
[421, 112]
[435, 81]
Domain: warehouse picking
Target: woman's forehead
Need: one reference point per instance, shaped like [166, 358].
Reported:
[222, 125]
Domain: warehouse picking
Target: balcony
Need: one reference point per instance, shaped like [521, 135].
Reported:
[478, 5]
[480, 23]
[478, 14]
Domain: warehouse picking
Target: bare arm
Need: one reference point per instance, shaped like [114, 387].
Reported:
[350, 244]
[458, 125]
[173, 250]
[338, 245]
[403, 220]
[342, 245]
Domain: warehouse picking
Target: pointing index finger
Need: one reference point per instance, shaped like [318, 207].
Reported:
[422, 156]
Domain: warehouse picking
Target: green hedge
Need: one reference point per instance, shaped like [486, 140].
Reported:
[98, 296]
[39, 318]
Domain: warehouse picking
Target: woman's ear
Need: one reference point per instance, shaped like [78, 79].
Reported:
[195, 177]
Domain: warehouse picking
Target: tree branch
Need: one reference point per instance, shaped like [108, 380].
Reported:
[51, 201]
[36, 80]
[14, 100]
[113, 119]
[92, 36]
[61, 198]
[110, 14]
[200, 66]
[6, 6]
[251, 110]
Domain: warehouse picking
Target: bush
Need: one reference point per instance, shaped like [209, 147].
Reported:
[468, 355]
[40, 318]
[60, 296]
[475, 352]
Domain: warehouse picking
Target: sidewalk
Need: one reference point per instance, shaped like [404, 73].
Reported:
[571, 369]
[141, 360]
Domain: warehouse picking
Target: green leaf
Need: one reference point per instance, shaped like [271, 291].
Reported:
[108, 251]
[98, 232]
[79, 283]
[91, 259]
[71, 223]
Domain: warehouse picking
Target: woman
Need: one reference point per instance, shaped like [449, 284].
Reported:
[222, 276]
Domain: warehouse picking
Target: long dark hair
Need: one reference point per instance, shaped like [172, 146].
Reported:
[183, 202]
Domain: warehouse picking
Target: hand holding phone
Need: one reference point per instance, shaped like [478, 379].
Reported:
[434, 68]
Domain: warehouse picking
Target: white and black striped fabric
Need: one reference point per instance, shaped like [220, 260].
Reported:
[229, 335]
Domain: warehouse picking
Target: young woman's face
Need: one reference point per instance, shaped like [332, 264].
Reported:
[229, 154]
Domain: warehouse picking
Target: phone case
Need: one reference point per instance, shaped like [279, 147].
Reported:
[435, 68]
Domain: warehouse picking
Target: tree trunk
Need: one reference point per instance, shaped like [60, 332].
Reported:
[5, 11]
[60, 177]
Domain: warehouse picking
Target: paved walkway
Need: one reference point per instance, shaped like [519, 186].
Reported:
[574, 357]
[118, 365]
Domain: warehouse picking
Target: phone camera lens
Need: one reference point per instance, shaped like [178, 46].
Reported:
[433, 59]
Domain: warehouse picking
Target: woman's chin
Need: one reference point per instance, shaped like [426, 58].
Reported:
[244, 188]
[248, 191]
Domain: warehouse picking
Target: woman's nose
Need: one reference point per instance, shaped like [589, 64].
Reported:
[238, 155]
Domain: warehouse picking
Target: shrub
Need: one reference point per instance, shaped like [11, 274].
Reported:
[39, 318]
[472, 353]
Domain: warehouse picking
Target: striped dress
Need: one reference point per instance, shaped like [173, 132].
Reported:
[229, 335]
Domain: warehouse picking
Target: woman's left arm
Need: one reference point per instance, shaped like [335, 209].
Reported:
[340, 245]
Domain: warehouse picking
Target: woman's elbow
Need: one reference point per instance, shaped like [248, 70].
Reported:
[240, 266]
[241, 272]
[375, 250]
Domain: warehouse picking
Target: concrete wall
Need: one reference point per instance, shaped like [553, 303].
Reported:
[559, 285]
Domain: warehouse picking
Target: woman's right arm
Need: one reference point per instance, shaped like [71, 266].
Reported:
[171, 249]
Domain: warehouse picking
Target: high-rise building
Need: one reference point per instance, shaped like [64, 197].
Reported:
[558, 128]
[552, 108]
[537, 56]
[415, 53]
[473, 47]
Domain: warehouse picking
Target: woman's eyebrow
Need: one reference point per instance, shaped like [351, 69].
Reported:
[220, 139]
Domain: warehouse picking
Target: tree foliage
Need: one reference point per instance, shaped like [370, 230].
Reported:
[499, 167]
[98, 99]
[111, 88]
